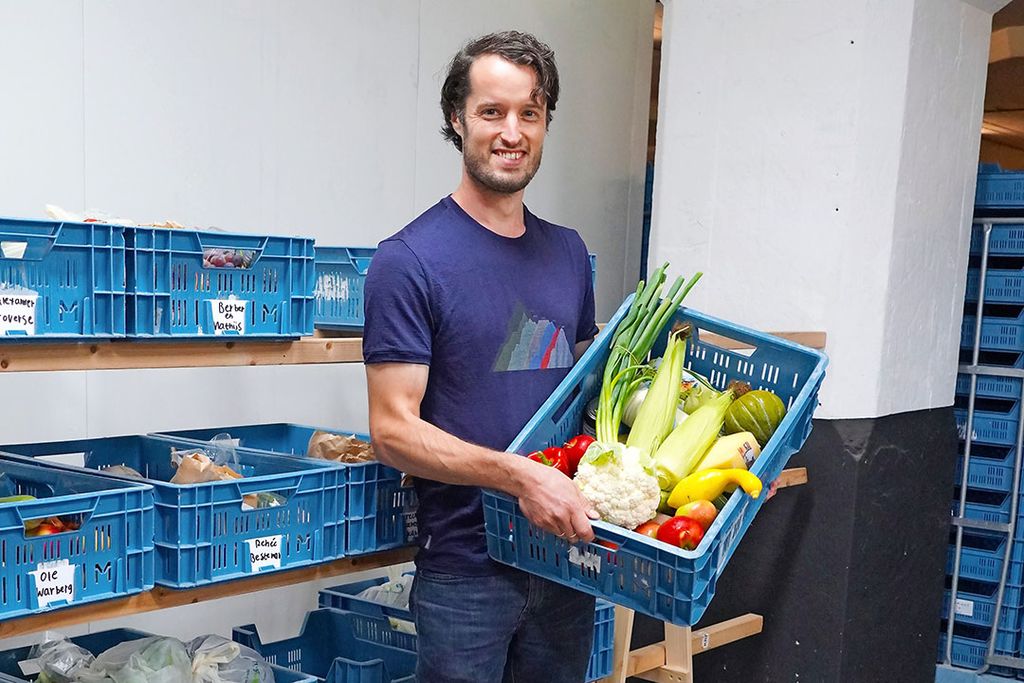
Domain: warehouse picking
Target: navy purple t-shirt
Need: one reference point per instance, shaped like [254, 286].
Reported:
[496, 320]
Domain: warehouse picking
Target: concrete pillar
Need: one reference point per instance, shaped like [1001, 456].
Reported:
[816, 159]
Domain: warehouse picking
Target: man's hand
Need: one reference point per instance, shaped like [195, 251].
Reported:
[551, 501]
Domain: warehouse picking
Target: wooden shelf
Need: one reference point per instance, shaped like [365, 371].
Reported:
[161, 597]
[124, 354]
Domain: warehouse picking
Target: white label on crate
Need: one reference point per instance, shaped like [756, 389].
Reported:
[964, 608]
[229, 315]
[584, 559]
[264, 553]
[54, 582]
[705, 641]
[18, 313]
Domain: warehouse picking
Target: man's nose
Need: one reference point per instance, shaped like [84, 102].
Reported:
[510, 133]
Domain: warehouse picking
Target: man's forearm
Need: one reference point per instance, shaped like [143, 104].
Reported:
[422, 450]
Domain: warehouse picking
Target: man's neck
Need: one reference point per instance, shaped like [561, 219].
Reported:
[500, 213]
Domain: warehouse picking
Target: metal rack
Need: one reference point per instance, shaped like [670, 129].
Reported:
[961, 522]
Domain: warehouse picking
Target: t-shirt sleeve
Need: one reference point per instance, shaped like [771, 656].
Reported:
[586, 329]
[396, 304]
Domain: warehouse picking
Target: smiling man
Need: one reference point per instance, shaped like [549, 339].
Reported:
[475, 312]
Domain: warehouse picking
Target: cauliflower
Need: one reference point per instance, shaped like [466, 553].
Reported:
[616, 481]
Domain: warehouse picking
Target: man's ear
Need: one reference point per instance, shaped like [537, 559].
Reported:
[457, 125]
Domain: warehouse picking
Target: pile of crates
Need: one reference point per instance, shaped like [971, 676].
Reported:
[984, 600]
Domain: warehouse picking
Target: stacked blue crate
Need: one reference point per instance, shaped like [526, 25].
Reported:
[991, 443]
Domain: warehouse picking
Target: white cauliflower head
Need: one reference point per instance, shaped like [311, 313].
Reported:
[616, 481]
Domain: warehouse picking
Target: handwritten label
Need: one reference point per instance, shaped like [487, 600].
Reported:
[54, 582]
[18, 313]
[964, 608]
[264, 553]
[585, 559]
[229, 315]
[705, 641]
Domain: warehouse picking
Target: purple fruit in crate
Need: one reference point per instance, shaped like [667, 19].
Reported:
[237, 259]
[229, 264]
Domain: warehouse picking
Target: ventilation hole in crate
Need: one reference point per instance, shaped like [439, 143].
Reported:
[106, 571]
[3, 553]
[17, 591]
[3, 590]
[775, 375]
[796, 380]
[236, 563]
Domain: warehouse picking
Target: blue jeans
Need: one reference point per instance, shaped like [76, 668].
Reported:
[509, 628]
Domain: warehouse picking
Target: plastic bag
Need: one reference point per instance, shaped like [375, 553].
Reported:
[59, 660]
[392, 593]
[216, 659]
[147, 660]
[123, 471]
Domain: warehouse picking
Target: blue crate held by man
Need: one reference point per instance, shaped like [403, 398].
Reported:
[381, 511]
[69, 538]
[197, 284]
[347, 597]
[11, 670]
[340, 647]
[282, 512]
[61, 280]
[627, 568]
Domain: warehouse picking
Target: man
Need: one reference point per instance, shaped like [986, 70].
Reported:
[475, 312]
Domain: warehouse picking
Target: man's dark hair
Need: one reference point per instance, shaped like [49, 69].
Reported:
[518, 48]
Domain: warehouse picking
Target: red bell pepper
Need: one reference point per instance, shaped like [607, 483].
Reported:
[574, 450]
[552, 457]
[681, 532]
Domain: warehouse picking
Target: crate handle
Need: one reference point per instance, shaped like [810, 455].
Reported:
[57, 507]
[360, 263]
[248, 636]
[25, 247]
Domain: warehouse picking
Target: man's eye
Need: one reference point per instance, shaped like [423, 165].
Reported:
[490, 112]
[530, 114]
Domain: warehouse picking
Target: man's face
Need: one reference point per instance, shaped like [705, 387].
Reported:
[504, 127]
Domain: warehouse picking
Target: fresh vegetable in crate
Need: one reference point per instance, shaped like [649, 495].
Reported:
[618, 479]
[759, 412]
[552, 457]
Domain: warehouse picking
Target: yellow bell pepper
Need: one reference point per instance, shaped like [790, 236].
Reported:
[709, 484]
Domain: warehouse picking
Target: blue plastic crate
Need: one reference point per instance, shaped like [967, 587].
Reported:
[346, 597]
[381, 512]
[981, 558]
[1002, 285]
[109, 555]
[989, 386]
[970, 646]
[976, 604]
[991, 469]
[1004, 240]
[638, 572]
[202, 532]
[61, 280]
[997, 334]
[997, 189]
[97, 643]
[341, 647]
[989, 506]
[340, 276]
[173, 291]
[995, 429]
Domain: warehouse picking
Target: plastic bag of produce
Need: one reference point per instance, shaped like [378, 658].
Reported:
[347, 449]
[218, 660]
[58, 660]
[147, 660]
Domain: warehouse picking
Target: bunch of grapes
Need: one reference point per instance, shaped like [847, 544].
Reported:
[227, 258]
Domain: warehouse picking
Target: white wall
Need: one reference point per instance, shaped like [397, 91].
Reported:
[313, 117]
[822, 177]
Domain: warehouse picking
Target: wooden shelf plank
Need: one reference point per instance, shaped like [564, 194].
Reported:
[124, 354]
[161, 597]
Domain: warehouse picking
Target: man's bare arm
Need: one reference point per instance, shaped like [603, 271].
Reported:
[406, 442]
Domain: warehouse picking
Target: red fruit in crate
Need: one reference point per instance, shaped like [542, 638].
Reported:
[44, 529]
[648, 529]
[575, 448]
[703, 511]
[681, 532]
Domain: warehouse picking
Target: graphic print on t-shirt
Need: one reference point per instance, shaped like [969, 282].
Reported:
[533, 345]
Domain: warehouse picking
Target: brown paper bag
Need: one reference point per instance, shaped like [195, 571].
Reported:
[348, 449]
